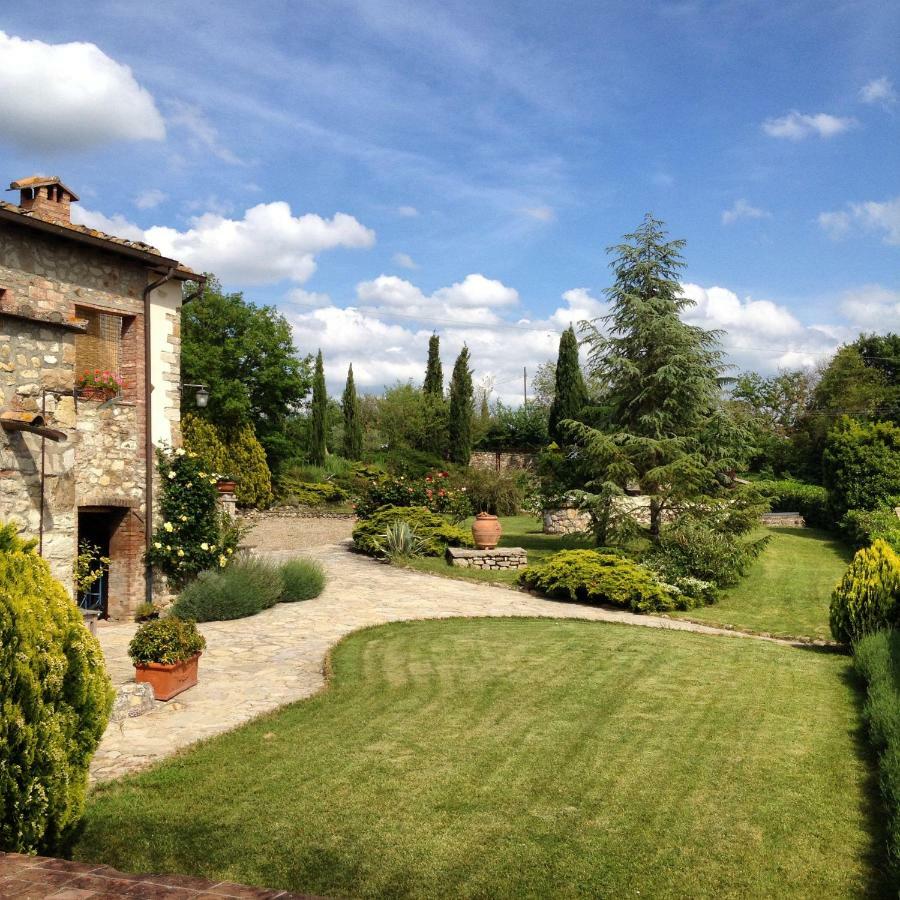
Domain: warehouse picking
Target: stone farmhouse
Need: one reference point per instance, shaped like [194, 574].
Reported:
[75, 463]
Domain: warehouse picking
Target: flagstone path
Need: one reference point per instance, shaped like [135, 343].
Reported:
[254, 665]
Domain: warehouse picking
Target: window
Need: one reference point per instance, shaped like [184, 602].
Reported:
[100, 347]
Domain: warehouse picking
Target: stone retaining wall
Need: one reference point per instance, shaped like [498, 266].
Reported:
[501, 460]
[499, 558]
[566, 520]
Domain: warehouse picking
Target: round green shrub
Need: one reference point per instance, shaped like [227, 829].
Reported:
[433, 530]
[592, 577]
[247, 463]
[245, 587]
[55, 700]
[788, 495]
[303, 579]
[169, 640]
[868, 596]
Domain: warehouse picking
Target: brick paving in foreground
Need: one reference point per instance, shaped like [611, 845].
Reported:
[29, 877]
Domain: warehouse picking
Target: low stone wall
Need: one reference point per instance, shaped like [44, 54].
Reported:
[566, 520]
[784, 519]
[501, 460]
[292, 512]
[499, 558]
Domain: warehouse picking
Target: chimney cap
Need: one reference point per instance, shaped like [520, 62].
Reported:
[36, 181]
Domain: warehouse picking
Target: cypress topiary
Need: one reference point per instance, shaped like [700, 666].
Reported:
[570, 395]
[55, 700]
[868, 596]
[200, 436]
[434, 373]
[317, 448]
[247, 462]
[461, 409]
[352, 444]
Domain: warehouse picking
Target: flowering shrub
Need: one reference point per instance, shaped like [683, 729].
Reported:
[102, 381]
[193, 534]
[433, 492]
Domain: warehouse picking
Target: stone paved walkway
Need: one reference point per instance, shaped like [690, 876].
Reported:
[254, 665]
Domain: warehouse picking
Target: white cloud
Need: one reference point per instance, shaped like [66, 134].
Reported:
[474, 300]
[407, 212]
[150, 199]
[758, 334]
[878, 90]
[201, 133]
[116, 225]
[796, 126]
[540, 213]
[405, 260]
[741, 209]
[872, 307]
[269, 244]
[580, 307]
[309, 299]
[70, 97]
[883, 217]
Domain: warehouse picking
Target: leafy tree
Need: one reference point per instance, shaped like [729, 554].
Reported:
[434, 373]
[461, 410]
[408, 419]
[570, 394]
[246, 461]
[246, 356]
[318, 411]
[352, 443]
[661, 376]
[516, 428]
[882, 352]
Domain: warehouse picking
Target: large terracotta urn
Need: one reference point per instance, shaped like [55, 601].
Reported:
[486, 531]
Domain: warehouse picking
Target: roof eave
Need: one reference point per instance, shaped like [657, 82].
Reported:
[155, 261]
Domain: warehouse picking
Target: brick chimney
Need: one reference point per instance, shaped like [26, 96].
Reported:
[45, 197]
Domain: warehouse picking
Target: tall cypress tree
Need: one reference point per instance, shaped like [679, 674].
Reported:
[352, 446]
[317, 448]
[461, 409]
[434, 373]
[570, 395]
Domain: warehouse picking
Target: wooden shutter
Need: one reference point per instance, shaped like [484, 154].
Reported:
[100, 346]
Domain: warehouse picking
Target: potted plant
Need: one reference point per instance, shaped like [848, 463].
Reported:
[165, 653]
[98, 385]
[226, 484]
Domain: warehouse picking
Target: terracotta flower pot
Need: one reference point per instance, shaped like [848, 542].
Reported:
[226, 487]
[168, 679]
[486, 530]
[95, 393]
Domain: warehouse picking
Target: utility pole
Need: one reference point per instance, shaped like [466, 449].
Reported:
[525, 385]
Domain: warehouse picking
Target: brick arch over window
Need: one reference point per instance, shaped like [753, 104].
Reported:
[98, 499]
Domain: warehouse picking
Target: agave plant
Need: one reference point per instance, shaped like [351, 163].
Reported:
[400, 541]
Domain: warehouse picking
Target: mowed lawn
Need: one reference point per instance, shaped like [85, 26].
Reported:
[526, 758]
[787, 591]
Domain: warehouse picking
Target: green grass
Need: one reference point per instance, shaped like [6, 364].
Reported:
[518, 531]
[526, 758]
[788, 589]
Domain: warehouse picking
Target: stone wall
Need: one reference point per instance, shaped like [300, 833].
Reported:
[566, 520]
[44, 279]
[501, 460]
[500, 558]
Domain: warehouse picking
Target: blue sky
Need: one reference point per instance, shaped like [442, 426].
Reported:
[481, 157]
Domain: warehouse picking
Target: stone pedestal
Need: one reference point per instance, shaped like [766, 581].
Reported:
[228, 502]
[500, 558]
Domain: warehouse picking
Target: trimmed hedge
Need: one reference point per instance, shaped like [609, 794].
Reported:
[309, 493]
[593, 577]
[303, 579]
[55, 700]
[863, 527]
[434, 531]
[866, 600]
[877, 660]
[788, 495]
[245, 587]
